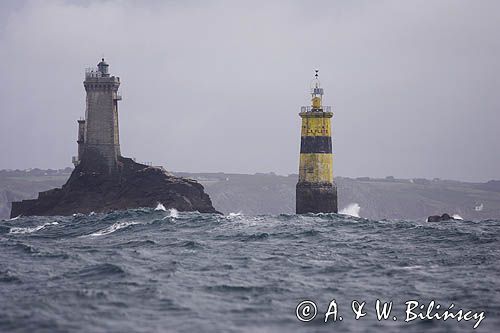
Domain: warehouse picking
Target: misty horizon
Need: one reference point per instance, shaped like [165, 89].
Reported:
[413, 86]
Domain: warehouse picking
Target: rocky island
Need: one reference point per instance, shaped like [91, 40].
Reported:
[103, 180]
[135, 185]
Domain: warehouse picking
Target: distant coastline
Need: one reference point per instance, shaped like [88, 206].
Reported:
[268, 193]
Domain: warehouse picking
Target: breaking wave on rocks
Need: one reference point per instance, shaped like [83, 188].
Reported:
[351, 210]
[160, 207]
[174, 213]
[151, 270]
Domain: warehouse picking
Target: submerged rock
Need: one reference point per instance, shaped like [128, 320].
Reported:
[133, 185]
[437, 218]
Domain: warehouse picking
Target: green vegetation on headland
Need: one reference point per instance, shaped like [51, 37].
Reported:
[260, 193]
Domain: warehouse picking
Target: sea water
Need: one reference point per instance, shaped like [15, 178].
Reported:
[148, 270]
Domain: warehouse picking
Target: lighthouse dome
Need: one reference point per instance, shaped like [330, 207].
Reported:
[103, 67]
[102, 63]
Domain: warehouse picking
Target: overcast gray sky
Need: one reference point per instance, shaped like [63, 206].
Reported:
[217, 85]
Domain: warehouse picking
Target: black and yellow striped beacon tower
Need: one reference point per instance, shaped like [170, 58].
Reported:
[316, 190]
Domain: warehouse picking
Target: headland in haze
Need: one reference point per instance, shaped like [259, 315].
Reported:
[268, 193]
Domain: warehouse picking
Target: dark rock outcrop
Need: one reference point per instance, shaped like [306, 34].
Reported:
[437, 218]
[133, 185]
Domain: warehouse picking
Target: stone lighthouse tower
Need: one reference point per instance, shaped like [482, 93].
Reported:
[99, 144]
[316, 191]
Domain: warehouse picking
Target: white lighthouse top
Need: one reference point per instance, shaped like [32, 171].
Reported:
[316, 98]
[316, 89]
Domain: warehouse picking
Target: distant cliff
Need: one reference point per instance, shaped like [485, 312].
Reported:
[387, 198]
[273, 194]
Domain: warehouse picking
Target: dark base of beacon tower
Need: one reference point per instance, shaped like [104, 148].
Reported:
[316, 198]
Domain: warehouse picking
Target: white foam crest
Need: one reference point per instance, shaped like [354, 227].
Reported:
[231, 215]
[173, 213]
[92, 214]
[160, 207]
[457, 217]
[352, 209]
[29, 230]
[15, 218]
[114, 227]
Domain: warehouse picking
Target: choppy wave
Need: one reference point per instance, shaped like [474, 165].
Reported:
[114, 227]
[148, 270]
[28, 230]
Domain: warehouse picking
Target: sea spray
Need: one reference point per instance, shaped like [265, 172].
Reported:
[352, 209]
[160, 207]
[174, 213]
